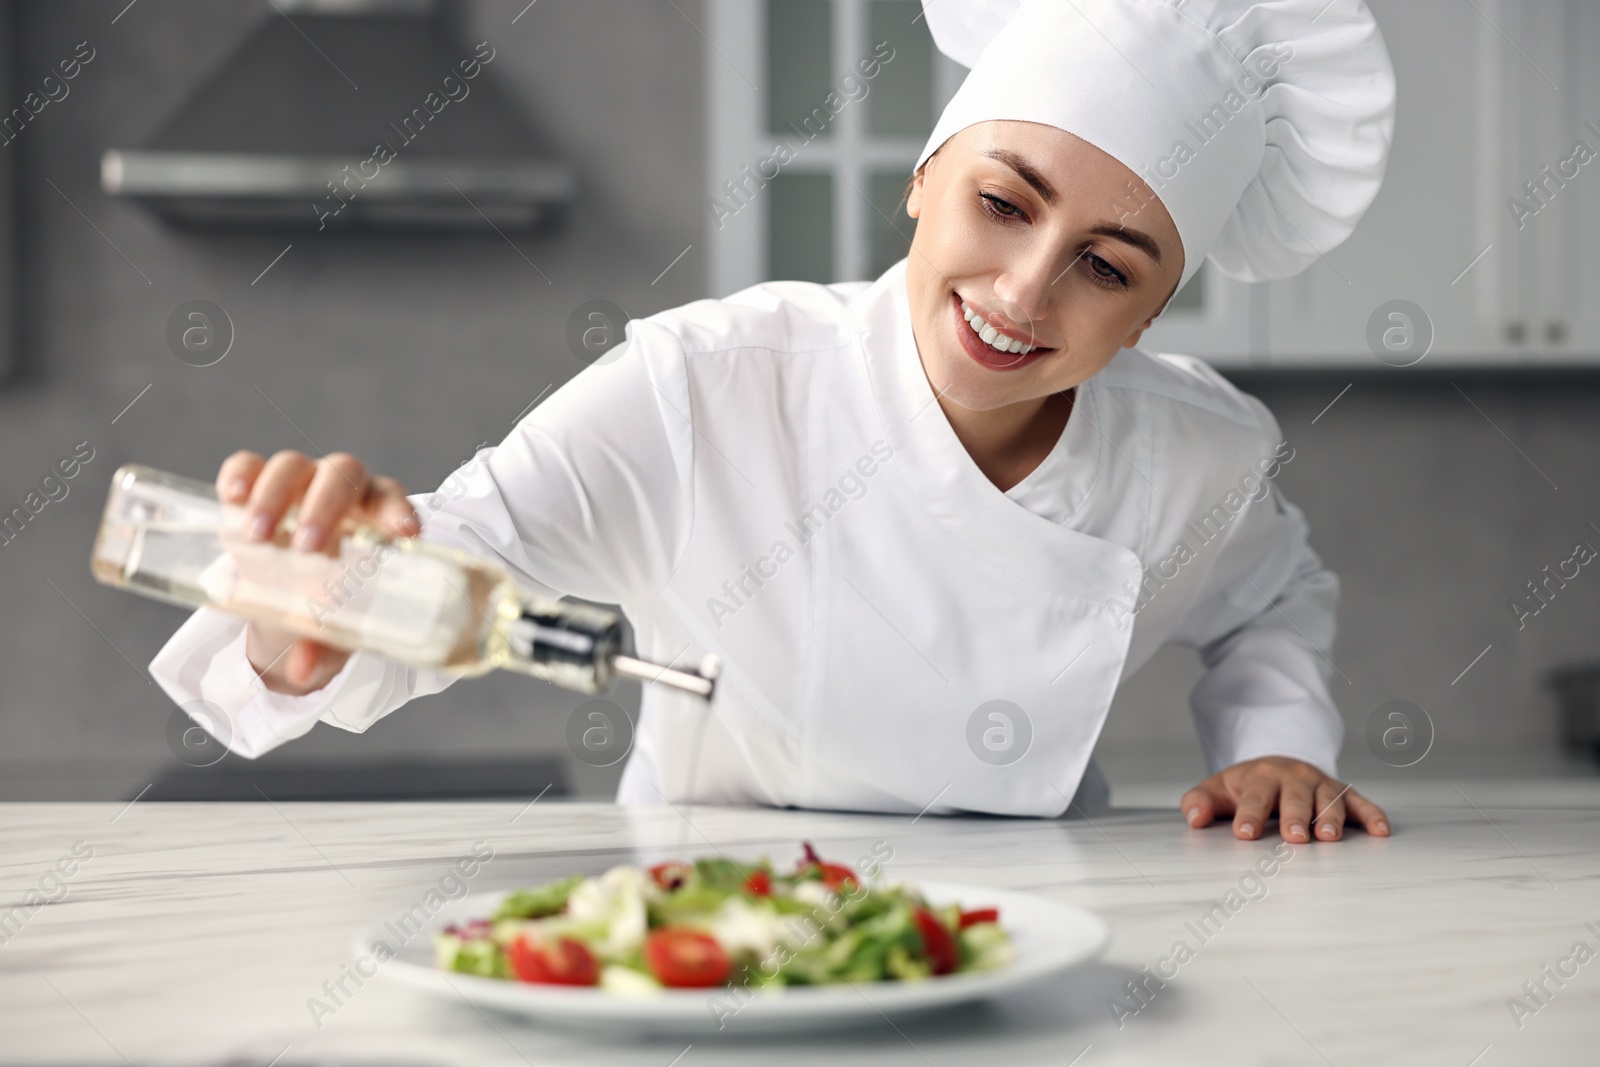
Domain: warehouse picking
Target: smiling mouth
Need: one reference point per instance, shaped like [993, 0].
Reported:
[984, 352]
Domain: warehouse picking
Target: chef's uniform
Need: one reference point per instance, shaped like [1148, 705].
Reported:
[771, 478]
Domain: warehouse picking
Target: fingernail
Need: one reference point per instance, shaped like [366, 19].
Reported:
[1247, 829]
[308, 536]
[1297, 829]
[1327, 829]
[261, 526]
[237, 489]
[1382, 826]
[1193, 814]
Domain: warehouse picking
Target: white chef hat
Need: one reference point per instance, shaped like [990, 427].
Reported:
[1263, 127]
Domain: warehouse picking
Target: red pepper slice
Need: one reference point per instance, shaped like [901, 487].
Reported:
[979, 915]
[759, 883]
[937, 941]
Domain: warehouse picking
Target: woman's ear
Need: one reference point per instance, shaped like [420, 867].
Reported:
[1133, 338]
[914, 196]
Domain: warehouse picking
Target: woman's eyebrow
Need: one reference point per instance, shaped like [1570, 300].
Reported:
[1137, 238]
[1025, 170]
[1030, 174]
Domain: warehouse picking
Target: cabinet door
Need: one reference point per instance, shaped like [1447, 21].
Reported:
[1422, 237]
[8, 222]
[1580, 255]
[1527, 294]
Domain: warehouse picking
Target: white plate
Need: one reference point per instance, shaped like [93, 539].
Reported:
[1049, 937]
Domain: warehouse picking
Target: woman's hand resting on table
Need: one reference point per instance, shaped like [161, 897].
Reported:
[334, 493]
[1252, 790]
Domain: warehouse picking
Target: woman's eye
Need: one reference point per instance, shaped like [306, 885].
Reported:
[1115, 278]
[1000, 208]
[1100, 271]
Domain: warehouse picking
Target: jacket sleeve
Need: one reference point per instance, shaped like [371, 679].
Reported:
[1263, 625]
[589, 495]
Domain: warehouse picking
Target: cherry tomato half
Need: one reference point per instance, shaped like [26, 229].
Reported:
[979, 915]
[563, 961]
[686, 958]
[672, 874]
[937, 941]
[836, 875]
[759, 883]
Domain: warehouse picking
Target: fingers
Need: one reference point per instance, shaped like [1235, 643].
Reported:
[237, 474]
[308, 666]
[282, 482]
[1205, 802]
[1330, 809]
[1294, 810]
[327, 491]
[1309, 804]
[338, 485]
[1367, 814]
[390, 509]
[301, 663]
[1256, 797]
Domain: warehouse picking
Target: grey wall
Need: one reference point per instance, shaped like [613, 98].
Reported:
[404, 352]
[408, 352]
[1434, 516]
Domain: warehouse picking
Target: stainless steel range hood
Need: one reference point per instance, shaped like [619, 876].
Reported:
[348, 115]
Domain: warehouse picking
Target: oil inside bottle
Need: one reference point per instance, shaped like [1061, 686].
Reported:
[419, 607]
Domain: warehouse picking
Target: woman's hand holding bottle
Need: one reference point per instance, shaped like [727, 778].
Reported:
[334, 494]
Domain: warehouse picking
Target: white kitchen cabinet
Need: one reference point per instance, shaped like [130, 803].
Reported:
[1581, 231]
[817, 111]
[1491, 92]
[9, 361]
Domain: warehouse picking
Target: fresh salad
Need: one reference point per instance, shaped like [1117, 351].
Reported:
[714, 922]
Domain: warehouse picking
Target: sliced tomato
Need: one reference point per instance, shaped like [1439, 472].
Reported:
[759, 883]
[686, 958]
[979, 915]
[937, 941]
[834, 875]
[564, 961]
[672, 874]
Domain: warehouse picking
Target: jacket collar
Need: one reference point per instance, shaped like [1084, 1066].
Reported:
[949, 485]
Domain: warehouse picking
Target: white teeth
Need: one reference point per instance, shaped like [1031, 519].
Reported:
[991, 336]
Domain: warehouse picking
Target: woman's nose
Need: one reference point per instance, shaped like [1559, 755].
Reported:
[1023, 289]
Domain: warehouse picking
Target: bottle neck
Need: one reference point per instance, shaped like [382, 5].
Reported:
[584, 648]
[571, 645]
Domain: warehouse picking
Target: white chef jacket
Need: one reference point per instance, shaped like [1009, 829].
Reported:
[769, 477]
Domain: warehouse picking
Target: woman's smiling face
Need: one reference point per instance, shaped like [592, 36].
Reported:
[1053, 242]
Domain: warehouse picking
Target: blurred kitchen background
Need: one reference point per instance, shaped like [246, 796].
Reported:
[1445, 458]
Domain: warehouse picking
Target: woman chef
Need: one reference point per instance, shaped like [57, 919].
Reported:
[930, 522]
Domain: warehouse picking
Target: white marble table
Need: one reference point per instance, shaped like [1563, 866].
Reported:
[198, 934]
